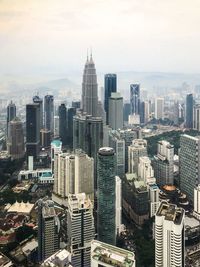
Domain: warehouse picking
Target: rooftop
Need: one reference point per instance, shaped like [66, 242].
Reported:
[56, 143]
[112, 255]
[171, 212]
[21, 207]
[4, 261]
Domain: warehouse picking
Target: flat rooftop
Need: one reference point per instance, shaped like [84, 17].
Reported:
[171, 212]
[112, 255]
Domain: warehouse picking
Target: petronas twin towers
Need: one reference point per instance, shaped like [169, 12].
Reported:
[89, 89]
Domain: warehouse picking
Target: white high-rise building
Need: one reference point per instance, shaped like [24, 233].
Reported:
[145, 171]
[169, 236]
[80, 229]
[154, 199]
[73, 174]
[56, 126]
[103, 254]
[137, 149]
[56, 148]
[115, 118]
[197, 199]
[118, 204]
[159, 108]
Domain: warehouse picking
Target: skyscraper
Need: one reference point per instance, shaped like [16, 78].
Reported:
[73, 174]
[106, 200]
[62, 111]
[159, 108]
[89, 88]
[115, 117]
[88, 136]
[189, 162]
[110, 86]
[49, 113]
[32, 129]
[163, 164]
[37, 99]
[196, 115]
[169, 236]
[15, 142]
[71, 112]
[135, 99]
[144, 112]
[118, 144]
[11, 114]
[80, 229]
[189, 111]
[48, 230]
[137, 149]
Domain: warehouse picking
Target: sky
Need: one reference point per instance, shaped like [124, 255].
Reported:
[52, 36]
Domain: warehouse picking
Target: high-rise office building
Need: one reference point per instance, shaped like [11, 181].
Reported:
[115, 117]
[144, 112]
[62, 112]
[49, 113]
[189, 111]
[197, 199]
[110, 86]
[88, 136]
[76, 104]
[15, 142]
[189, 162]
[126, 111]
[48, 230]
[169, 236]
[45, 138]
[135, 99]
[159, 108]
[56, 148]
[89, 88]
[118, 204]
[106, 200]
[80, 229]
[105, 255]
[11, 114]
[118, 144]
[73, 174]
[196, 117]
[32, 129]
[137, 149]
[163, 164]
[154, 199]
[128, 135]
[71, 112]
[56, 127]
[37, 99]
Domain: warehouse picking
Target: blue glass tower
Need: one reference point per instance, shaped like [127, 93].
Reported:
[110, 86]
[135, 99]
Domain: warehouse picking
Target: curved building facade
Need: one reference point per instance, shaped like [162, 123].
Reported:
[106, 210]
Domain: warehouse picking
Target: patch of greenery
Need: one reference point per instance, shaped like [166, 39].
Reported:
[173, 137]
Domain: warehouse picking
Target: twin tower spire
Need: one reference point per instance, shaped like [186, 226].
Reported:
[90, 88]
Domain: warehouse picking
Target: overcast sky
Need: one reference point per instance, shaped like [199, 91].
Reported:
[52, 36]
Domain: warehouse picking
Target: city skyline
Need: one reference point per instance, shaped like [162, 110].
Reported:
[45, 36]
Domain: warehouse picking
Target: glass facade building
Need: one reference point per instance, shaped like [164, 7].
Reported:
[110, 86]
[189, 111]
[106, 210]
[62, 112]
[135, 99]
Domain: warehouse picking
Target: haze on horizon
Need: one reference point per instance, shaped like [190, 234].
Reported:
[51, 36]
